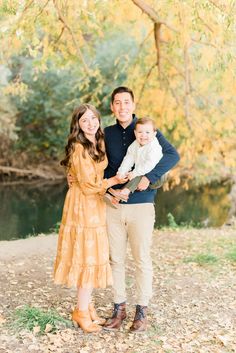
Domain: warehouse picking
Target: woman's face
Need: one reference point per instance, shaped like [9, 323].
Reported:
[89, 123]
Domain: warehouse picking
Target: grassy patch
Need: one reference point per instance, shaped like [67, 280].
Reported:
[232, 255]
[55, 228]
[202, 259]
[38, 321]
[172, 224]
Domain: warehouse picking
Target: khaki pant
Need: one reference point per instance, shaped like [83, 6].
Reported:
[133, 222]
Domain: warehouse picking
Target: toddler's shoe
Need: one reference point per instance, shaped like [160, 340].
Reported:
[110, 200]
[119, 195]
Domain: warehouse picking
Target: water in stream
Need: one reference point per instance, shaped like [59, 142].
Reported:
[34, 208]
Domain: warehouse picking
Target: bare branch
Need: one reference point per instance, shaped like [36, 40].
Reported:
[143, 42]
[187, 86]
[41, 10]
[145, 82]
[203, 43]
[140, 49]
[180, 72]
[27, 6]
[157, 29]
[217, 5]
[60, 35]
[171, 89]
[65, 24]
[205, 24]
[151, 13]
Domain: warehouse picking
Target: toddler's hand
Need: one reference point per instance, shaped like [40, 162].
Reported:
[130, 175]
[121, 178]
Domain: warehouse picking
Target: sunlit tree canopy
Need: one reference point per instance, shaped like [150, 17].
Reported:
[177, 55]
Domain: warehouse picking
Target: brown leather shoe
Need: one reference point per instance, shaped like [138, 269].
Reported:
[119, 314]
[140, 320]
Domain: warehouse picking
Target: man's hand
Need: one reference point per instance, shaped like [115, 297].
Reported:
[143, 184]
[70, 180]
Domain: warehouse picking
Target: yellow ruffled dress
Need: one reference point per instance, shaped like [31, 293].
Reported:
[83, 252]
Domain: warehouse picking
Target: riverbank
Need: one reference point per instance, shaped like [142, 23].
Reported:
[18, 173]
[193, 307]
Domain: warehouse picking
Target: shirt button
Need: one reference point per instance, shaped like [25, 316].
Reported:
[123, 132]
[124, 144]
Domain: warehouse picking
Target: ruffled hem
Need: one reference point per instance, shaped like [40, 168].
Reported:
[83, 276]
[82, 256]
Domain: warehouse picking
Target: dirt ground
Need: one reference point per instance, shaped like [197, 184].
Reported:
[193, 309]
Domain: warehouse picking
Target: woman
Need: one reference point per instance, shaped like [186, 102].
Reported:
[83, 256]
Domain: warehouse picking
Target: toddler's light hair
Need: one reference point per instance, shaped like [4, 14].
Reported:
[146, 120]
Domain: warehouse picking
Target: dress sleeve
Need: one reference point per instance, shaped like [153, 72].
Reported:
[90, 182]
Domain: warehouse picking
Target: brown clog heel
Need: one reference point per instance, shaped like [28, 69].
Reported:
[94, 316]
[82, 318]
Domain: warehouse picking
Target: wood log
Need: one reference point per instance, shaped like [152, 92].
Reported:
[30, 173]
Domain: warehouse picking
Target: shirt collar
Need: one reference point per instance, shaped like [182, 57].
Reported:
[130, 126]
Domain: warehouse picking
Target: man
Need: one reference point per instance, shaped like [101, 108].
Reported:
[133, 220]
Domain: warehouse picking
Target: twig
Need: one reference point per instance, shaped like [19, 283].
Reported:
[157, 29]
[148, 10]
[216, 5]
[145, 81]
[176, 68]
[41, 10]
[187, 86]
[205, 24]
[65, 24]
[203, 43]
[60, 35]
[171, 89]
[23, 12]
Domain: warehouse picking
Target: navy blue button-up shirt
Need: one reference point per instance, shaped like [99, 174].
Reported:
[118, 139]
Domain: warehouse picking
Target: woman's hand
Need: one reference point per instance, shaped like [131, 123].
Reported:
[121, 179]
[117, 179]
[70, 180]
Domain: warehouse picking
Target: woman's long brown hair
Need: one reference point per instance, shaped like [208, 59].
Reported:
[97, 151]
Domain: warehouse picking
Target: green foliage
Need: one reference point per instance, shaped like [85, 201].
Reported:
[8, 8]
[172, 224]
[85, 51]
[202, 259]
[30, 317]
[51, 93]
[43, 114]
[231, 255]
[171, 221]
[55, 228]
[113, 56]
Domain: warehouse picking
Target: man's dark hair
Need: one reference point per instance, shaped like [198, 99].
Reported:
[121, 89]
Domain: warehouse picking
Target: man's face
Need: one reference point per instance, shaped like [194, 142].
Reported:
[123, 107]
[144, 133]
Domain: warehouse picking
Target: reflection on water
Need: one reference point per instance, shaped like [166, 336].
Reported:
[36, 208]
[208, 205]
[30, 209]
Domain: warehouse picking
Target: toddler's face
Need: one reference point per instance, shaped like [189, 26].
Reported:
[144, 133]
